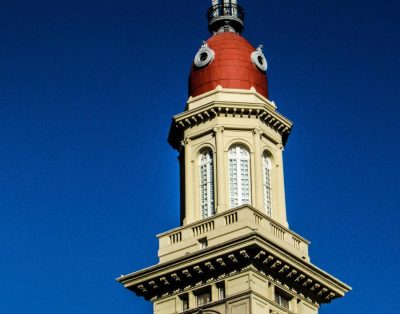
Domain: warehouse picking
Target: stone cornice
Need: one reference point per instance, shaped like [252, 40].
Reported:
[230, 258]
[265, 112]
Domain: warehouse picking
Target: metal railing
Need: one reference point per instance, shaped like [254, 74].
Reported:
[225, 10]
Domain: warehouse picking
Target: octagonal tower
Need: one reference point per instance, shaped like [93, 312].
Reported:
[233, 252]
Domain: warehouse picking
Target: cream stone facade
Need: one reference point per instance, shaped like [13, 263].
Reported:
[233, 252]
[238, 260]
[219, 120]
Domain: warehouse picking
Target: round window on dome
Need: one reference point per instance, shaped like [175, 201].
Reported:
[204, 56]
[258, 58]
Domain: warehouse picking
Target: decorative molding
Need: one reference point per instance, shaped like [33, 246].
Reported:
[186, 273]
[204, 56]
[221, 262]
[232, 258]
[259, 60]
[198, 270]
[197, 116]
[209, 265]
[244, 254]
[175, 277]
[276, 271]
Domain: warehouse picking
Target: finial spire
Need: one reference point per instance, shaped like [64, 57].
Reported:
[225, 16]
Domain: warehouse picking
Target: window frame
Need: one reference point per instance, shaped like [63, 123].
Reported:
[203, 243]
[201, 293]
[184, 301]
[280, 296]
[206, 183]
[267, 183]
[238, 167]
[221, 290]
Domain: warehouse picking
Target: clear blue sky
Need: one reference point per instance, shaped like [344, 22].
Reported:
[87, 91]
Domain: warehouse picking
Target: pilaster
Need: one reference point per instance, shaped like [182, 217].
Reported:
[189, 183]
[258, 171]
[221, 201]
[281, 190]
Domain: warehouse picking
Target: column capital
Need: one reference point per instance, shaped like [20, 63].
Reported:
[186, 141]
[218, 129]
[257, 131]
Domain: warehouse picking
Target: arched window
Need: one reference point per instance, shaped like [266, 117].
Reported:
[239, 176]
[267, 184]
[206, 170]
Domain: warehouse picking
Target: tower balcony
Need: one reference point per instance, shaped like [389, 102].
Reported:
[224, 15]
[226, 226]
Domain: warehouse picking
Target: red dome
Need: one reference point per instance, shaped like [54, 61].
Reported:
[232, 67]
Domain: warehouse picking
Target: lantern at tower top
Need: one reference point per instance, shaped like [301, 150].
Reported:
[225, 16]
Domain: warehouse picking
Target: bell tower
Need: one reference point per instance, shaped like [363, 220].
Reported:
[233, 252]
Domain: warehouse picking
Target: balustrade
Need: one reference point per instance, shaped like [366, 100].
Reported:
[203, 228]
[232, 220]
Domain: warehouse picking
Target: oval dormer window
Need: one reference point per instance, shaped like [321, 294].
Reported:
[258, 58]
[204, 56]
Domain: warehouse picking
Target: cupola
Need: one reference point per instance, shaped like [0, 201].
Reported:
[227, 59]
